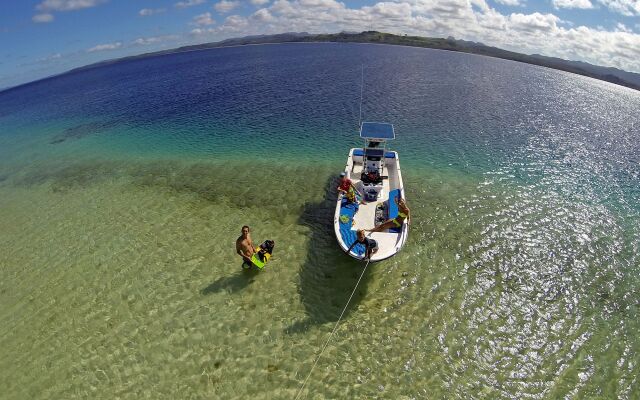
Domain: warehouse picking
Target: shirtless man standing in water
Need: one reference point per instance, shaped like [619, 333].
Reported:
[244, 247]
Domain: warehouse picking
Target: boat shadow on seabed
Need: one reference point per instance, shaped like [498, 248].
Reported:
[327, 276]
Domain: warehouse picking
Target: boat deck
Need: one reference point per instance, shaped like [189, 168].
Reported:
[348, 218]
[365, 217]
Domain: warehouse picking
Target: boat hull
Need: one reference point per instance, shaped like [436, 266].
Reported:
[348, 218]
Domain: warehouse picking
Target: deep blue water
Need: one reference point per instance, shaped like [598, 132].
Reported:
[469, 111]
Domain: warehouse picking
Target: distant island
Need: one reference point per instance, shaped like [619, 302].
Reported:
[609, 74]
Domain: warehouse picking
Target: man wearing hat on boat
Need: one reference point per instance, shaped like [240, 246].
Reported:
[347, 187]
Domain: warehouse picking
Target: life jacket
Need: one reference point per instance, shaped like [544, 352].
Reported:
[262, 254]
[351, 195]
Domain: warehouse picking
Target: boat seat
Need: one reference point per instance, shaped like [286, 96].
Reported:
[348, 210]
[360, 153]
[393, 208]
[377, 153]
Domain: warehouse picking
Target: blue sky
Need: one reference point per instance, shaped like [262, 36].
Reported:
[46, 37]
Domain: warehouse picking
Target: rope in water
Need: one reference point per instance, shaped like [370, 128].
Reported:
[332, 332]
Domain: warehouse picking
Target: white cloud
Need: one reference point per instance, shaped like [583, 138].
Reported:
[234, 23]
[620, 27]
[321, 4]
[628, 8]
[582, 4]
[145, 12]
[390, 10]
[67, 5]
[259, 2]
[282, 6]
[42, 18]
[106, 46]
[202, 31]
[534, 22]
[225, 6]
[510, 2]
[464, 19]
[46, 8]
[51, 57]
[154, 39]
[262, 15]
[203, 19]
[188, 3]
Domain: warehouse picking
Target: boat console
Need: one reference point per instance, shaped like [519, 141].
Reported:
[373, 162]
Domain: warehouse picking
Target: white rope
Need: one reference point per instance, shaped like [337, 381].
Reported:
[332, 332]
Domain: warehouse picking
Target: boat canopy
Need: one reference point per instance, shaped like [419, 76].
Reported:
[377, 131]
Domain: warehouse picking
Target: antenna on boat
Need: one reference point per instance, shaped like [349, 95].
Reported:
[361, 90]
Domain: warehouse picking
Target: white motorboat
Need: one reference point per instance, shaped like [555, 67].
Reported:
[375, 172]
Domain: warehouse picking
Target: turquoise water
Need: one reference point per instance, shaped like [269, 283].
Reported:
[123, 188]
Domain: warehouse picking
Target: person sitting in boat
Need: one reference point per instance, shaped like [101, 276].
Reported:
[345, 183]
[403, 214]
[370, 245]
[347, 188]
[351, 196]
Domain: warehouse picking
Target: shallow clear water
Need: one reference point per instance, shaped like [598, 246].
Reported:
[123, 188]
